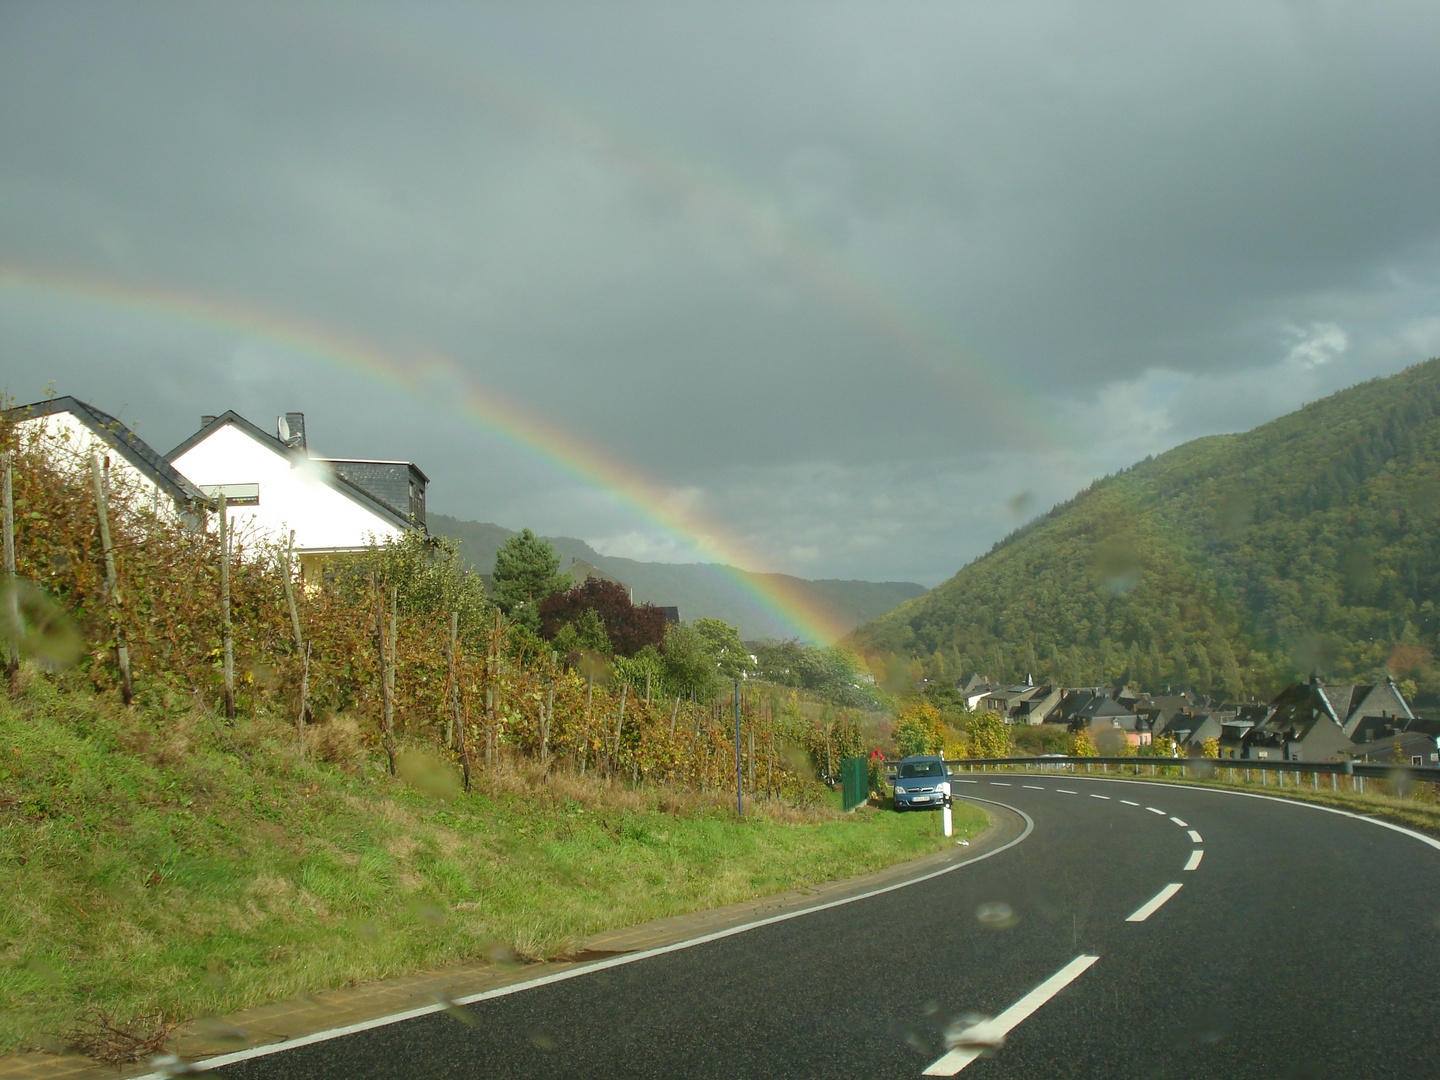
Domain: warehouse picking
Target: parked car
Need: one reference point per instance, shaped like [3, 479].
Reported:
[921, 782]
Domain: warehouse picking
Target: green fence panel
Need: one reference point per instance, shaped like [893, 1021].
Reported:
[855, 781]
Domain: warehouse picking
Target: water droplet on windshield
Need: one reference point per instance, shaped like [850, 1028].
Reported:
[996, 915]
[974, 1031]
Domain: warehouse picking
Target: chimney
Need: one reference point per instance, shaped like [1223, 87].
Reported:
[206, 421]
[291, 430]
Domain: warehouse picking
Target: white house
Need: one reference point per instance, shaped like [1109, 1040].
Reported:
[272, 485]
[68, 431]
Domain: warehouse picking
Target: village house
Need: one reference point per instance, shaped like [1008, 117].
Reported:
[273, 486]
[68, 431]
[1024, 703]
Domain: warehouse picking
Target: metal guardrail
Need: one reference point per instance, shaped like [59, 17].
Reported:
[1209, 768]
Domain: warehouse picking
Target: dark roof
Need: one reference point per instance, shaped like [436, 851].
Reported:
[270, 442]
[140, 454]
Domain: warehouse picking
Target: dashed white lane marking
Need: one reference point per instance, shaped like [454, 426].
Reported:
[1066, 791]
[1127, 802]
[1099, 796]
[1033, 787]
[995, 1030]
[1145, 910]
[1000, 783]
[1195, 856]
[1154, 811]
[1195, 836]
[1177, 821]
[967, 781]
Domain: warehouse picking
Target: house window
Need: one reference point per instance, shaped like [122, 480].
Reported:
[235, 494]
[1416, 759]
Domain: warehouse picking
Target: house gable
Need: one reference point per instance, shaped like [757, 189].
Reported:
[85, 428]
[290, 490]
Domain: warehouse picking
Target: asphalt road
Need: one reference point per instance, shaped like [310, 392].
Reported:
[1299, 943]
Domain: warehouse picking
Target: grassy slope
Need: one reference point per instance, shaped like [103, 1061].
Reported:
[144, 864]
[698, 590]
[1307, 542]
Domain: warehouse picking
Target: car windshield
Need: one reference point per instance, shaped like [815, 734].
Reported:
[912, 769]
[648, 436]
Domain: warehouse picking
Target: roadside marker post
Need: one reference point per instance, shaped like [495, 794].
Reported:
[949, 829]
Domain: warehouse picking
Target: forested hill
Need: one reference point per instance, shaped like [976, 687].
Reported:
[699, 590]
[1231, 563]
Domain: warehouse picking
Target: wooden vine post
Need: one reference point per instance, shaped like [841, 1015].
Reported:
[619, 727]
[386, 708]
[112, 585]
[290, 593]
[12, 594]
[227, 638]
[304, 699]
[453, 682]
[392, 653]
[301, 645]
[492, 664]
[547, 717]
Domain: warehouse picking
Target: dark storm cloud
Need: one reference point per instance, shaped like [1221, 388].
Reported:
[846, 277]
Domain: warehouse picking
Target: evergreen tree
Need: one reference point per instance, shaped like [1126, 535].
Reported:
[526, 572]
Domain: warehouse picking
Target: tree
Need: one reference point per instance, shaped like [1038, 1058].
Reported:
[428, 577]
[526, 572]
[919, 729]
[689, 667]
[989, 735]
[1081, 745]
[586, 634]
[722, 642]
[628, 627]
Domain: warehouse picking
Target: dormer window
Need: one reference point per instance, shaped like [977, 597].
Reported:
[235, 494]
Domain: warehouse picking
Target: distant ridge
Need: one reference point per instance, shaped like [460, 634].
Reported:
[1230, 564]
[699, 590]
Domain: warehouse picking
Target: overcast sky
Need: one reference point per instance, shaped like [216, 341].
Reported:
[862, 287]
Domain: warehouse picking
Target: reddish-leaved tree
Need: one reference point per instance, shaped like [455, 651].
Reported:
[630, 627]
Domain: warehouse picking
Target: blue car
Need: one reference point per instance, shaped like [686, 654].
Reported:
[921, 782]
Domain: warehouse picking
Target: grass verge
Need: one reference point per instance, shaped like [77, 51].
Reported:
[150, 865]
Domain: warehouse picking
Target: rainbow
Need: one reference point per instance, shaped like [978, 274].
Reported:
[711, 199]
[623, 484]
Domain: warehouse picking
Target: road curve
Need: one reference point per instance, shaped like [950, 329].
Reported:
[1139, 930]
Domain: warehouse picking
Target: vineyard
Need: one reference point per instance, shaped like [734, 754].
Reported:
[117, 595]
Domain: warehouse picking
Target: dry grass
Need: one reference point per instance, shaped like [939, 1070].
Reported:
[98, 1035]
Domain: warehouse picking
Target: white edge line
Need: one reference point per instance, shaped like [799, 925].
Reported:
[1195, 836]
[1145, 910]
[1177, 821]
[1012, 1017]
[1195, 855]
[599, 965]
[1268, 798]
